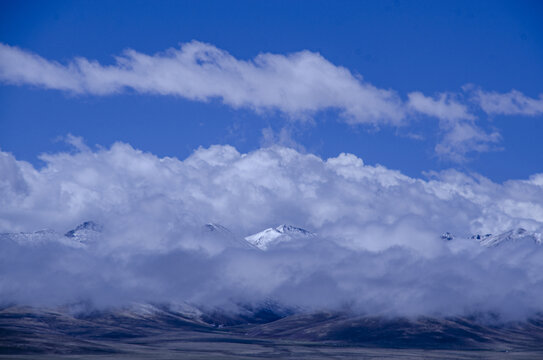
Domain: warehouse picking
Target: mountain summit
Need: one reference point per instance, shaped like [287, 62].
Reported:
[273, 236]
[85, 232]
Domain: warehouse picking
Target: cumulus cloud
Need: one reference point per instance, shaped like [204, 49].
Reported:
[511, 103]
[377, 247]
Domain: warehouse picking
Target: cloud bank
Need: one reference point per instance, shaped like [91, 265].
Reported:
[298, 85]
[378, 248]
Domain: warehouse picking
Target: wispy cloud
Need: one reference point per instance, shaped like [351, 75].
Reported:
[462, 137]
[511, 103]
[443, 106]
[461, 134]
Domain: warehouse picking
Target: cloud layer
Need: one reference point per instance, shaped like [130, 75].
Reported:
[378, 247]
[298, 85]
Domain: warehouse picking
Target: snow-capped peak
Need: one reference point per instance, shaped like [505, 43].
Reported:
[289, 229]
[271, 236]
[85, 226]
[85, 232]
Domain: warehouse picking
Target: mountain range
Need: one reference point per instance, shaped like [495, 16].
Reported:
[164, 331]
[262, 330]
[89, 231]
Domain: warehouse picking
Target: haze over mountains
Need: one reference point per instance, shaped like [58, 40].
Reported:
[81, 327]
[363, 237]
[267, 254]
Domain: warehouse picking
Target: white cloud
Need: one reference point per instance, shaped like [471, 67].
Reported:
[297, 84]
[461, 134]
[511, 103]
[462, 137]
[443, 107]
[378, 232]
[282, 137]
[20, 67]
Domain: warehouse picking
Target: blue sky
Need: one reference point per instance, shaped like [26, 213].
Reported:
[426, 47]
[260, 113]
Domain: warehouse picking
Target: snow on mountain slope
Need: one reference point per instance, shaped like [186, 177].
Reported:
[272, 236]
[31, 238]
[514, 235]
[85, 232]
[224, 235]
[81, 236]
[88, 232]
